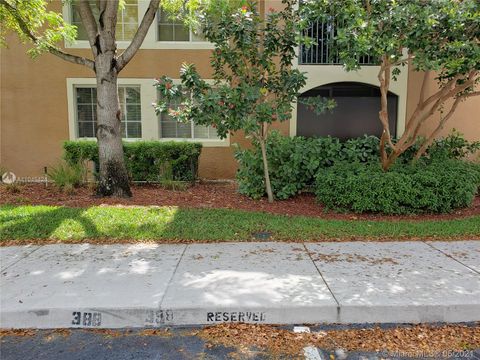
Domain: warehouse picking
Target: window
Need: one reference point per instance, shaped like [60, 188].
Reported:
[127, 20]
[174, 30]
[86, 111]
[170, 128]
[131, 112]
[322, 50]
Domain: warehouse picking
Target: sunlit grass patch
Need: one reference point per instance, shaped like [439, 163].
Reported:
[173, 224]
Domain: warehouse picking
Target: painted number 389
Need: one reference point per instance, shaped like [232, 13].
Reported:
[87, 318]
[159, 317]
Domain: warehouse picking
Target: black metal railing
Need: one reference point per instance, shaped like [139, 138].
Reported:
[323, 51]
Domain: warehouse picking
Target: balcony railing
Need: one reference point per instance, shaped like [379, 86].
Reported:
[323, 52]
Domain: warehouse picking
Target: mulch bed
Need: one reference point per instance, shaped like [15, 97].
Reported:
[203, 195]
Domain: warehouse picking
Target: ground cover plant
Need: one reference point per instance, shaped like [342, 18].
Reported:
[296, 161]
[68, 176]
[110, 224]
[435, 187]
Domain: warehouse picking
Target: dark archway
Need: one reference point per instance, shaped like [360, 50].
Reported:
[356, 113]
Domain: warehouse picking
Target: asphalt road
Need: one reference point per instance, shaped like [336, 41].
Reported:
[81, 344]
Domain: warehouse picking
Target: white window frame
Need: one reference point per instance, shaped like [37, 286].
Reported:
[150, 120]
[205, 142]
[150, 41]
[191, 34]
[84, 44]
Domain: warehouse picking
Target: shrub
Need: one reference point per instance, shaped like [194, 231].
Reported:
[433, 187]
[453, 146]
[294, 161]
[13, 188]
[152, 161]
[68, 176]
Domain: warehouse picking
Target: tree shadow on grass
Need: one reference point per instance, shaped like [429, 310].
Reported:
[153, 223]
[42, 224]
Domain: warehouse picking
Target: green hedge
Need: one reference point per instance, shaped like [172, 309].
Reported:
[146, 160]
[294, 161]
[435, 187]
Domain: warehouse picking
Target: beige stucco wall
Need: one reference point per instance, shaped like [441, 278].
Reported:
[34, 110]
[466, 118]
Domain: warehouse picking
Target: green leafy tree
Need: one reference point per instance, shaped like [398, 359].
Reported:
[438, 37]
[35, 24]
[254, 81]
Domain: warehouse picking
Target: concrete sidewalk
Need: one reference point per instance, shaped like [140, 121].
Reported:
[114, 286]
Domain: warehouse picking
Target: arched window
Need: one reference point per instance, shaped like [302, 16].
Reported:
[355, 115]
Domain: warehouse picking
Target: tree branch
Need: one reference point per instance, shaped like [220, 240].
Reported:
[110, 11]
[137, 40]
[50, 48]
[426, 75]
[421, 115]
[475, 93]
[437, 130]
[88, 21]
[402, 61]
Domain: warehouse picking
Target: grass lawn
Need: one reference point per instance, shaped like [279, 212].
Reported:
[171, 224]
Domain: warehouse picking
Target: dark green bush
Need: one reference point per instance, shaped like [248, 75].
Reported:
[146, 160]
[294, 161]
[425, 187]
[453, 146]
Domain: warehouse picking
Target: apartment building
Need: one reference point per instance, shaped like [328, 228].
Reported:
[47, 101]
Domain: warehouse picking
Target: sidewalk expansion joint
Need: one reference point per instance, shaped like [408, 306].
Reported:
[451, 257]
[173, 274]
[321, 275]
[22, 258]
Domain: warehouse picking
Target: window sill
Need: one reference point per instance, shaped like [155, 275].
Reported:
[204, 142]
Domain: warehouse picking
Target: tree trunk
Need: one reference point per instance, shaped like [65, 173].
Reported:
[113, 173]
[268, 186]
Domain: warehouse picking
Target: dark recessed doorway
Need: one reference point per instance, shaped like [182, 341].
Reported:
[355, 115]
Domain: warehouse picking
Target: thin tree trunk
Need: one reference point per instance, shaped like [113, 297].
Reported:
[113, 173]
[384, 79]
[268, 186]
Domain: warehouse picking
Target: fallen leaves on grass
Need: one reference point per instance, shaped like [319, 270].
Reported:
[277, 341]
